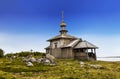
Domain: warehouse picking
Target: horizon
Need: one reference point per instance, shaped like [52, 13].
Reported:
[26, 25]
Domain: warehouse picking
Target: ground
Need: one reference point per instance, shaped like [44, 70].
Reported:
[64, 69]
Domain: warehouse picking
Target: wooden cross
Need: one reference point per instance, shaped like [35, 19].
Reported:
[62, 15]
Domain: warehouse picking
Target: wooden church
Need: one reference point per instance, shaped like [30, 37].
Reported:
[70, 47]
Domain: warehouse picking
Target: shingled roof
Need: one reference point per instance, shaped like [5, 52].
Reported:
[73, 43]
[85, 44]
[79, 43]
[62, 36]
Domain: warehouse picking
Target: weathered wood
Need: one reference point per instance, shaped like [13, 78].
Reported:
[67, 46]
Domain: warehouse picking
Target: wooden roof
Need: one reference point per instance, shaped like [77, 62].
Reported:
[79, 43]
[62, 36]
[85, 44]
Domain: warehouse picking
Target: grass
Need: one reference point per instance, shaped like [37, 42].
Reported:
[64, 69]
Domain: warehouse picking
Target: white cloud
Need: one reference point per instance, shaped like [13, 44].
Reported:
[16, 43]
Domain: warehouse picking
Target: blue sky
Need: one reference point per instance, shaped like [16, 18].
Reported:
[27, 24]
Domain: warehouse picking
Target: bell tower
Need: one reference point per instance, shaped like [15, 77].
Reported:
[63, 31]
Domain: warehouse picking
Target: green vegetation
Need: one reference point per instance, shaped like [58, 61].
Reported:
[64, 69]
[25, 54]
[1, 53]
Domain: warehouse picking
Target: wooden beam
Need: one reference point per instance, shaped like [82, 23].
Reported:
[87, 54]
[95, 54]
[92, 50]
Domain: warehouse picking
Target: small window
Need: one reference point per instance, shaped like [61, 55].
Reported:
[55, 45]
[81, 50]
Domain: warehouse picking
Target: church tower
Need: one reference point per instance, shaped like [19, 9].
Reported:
[60, 41]
[63, 25]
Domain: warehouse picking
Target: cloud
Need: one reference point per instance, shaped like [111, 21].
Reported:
[16, 43]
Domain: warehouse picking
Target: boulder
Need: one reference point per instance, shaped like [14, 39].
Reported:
[32, 59]
[29, 64]
[51, 58]
[47, 62]
[41, 60]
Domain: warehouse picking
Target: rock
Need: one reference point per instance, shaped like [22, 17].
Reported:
[51, 58]
[41, 60]
[26, 60]
[14, 57]
[29, 64]
[47, 62]
[32, 59]
[52, 64]
[22, 73]
[96, 66]
[82, 63]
